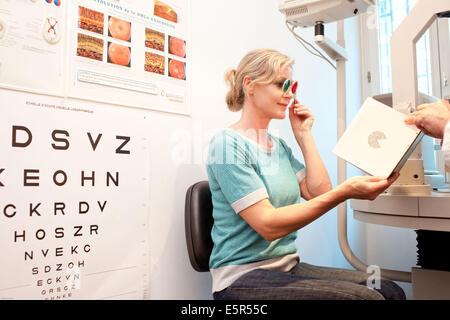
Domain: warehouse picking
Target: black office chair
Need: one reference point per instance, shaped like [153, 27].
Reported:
[198, 222]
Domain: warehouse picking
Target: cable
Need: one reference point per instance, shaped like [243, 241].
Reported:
[303, 42]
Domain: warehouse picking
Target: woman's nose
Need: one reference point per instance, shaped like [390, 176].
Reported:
[288, 94]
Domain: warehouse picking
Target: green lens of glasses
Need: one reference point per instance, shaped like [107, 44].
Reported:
[286, 85]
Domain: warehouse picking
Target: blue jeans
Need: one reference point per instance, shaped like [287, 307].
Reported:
[308, 282]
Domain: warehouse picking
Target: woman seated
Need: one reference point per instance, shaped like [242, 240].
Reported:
[256, 185]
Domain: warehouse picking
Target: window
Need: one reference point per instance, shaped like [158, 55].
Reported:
[433, 68]
[390, 14]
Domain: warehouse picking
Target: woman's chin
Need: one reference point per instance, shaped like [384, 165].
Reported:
[280, 115]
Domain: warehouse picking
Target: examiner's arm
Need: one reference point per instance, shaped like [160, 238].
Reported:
[434, 120]
[446, 145]
[273, 223]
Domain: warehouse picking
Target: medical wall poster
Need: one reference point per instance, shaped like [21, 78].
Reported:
[73, 200]
[132, 53]
[32, 45]
[123, 52]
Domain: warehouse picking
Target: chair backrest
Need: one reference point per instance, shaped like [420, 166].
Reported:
[198, 222]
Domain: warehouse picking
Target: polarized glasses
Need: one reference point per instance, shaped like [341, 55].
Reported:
[290, 84]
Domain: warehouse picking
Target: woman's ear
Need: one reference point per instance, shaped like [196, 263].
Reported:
[247, 83]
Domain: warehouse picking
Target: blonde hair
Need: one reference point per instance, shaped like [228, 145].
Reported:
[261, 65]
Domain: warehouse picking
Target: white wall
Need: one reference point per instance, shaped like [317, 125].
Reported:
[222, 32]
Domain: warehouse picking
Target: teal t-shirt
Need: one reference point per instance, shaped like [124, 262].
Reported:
[240, 174]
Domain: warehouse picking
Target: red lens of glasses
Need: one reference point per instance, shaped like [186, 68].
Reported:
[294, 87]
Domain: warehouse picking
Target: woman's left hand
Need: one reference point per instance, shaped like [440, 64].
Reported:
[301, 118]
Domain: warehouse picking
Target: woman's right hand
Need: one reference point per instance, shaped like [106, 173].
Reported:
[367, 187]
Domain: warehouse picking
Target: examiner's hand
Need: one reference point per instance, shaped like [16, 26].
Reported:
[301, 118]
[431, 118]
[367, 187]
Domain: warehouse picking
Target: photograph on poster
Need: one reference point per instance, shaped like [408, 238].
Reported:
[154, 39]
[177, 69]
[90, 20]
[154, 63]
[165, 11]
[90, 47]
[119, 54]
[129, 46]
[119, 29]
[177, 47]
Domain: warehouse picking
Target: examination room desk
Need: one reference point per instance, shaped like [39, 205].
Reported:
[427, 212]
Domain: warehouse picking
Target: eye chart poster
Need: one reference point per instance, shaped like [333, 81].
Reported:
[74, 189]
[122, 52]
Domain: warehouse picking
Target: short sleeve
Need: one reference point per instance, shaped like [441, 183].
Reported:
[299, 168]
[446, 146]
[230, 162]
